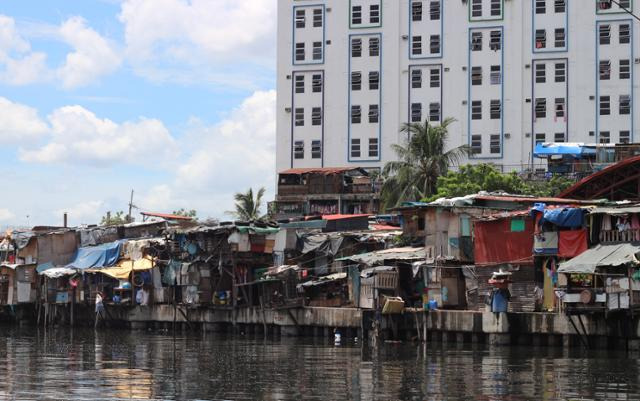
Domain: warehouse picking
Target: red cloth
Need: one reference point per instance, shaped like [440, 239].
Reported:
[572, 243]
[496, 243]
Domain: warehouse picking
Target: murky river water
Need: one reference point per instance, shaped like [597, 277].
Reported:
[84, 365]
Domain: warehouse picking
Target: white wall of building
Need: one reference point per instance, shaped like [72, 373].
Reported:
[530, 38]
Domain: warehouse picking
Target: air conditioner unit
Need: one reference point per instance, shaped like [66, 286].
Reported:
[287, 109]
[507, 135]
[591, 97]
[405, 37]
[288, 76]
[328, 42]
[328, 9]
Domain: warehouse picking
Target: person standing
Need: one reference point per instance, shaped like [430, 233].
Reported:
[99, 307]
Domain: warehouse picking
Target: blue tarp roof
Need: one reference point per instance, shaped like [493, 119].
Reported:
[562, 217]
[103, 255]
[543, 150]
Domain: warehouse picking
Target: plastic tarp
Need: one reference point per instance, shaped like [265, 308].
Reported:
[104, 255]
[122, 271]
[495, 242]
[379, 257]
[324, 280]
[572, 243]
[565, 217]
[320, 243]
[546, 243]
[58, 272]
[22, 238]
[544, 150]
[257, 230]
[601, 256]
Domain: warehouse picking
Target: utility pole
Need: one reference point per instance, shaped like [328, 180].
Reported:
[131, 206]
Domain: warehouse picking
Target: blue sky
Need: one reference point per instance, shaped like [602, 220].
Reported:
[171, 98]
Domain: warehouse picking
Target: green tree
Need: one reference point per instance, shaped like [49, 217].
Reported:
[420, 162]
[471, 179]
[186, 213]
[113, 219]
[247, 205]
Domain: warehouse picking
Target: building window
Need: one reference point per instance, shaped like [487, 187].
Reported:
[625, 104]
[541, 6]
[300, 51]
[374, 80]
[374, 14]
[476, 75]
[316, 116]
[560, 6]
[416, 79]
[625, 34]
[624, 4]
[496, 8]
[541, 138]
[495, 40]
[356, 80]
[356, 47]
[605, 105]
[559, 137]
[541, 38]
[416, 46]
[434, 78]
[605, 137]
[373, 147]
[299, 117]
[316, 149]
[434, 44]
[605, 34]
[317, 18]
[476, 110]
[416, 112]
[625, 137]
[316, 83]
[300, 18]
[298, 150]
[541, 73]
[434, 112]
[374, 47]
[541, 107]
[494, 145]
[355, 147]
[625, 69]
[299, 83]
[560, 107]
[560, 38]
[356, 114]
[476, 41]
[434, 10]
[561, 72]
[495, 109]
[317, 50]
[356, 15]
[476, 8]
[496, 75]
[605, 70]
[416, 11]
[374, 113]
[476, 144]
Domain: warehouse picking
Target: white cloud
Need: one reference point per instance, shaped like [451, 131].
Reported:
[6, 214]
[19, 123]
[88, 212]
[79, 136]
[92, 58]
[199, 39]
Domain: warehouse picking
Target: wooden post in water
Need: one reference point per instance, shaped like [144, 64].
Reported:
[73, 305]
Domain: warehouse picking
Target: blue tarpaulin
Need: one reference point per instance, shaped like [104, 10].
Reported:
[544, 150]
[565, 217]
[103, 255]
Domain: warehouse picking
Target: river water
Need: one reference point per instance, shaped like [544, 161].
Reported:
[121, 365]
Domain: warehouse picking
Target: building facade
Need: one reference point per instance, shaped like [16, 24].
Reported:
[512, 73]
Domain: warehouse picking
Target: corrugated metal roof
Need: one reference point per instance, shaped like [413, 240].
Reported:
[532, 199]
[615, 210]
[166, 216]
[323, 170]
[601, 256]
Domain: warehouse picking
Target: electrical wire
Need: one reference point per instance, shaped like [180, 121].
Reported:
[625, 9]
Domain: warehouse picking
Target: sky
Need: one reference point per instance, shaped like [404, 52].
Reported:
[173, 99]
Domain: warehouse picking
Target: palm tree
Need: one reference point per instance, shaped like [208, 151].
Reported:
[248, 207]
[420, 163]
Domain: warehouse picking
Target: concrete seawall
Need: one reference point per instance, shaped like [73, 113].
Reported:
[590, 331]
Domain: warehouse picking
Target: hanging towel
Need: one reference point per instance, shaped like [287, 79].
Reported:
[606, 223]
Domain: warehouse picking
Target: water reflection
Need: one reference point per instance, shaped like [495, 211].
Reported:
[87, 365]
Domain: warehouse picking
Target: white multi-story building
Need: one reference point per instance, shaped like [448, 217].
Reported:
[512, 73]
